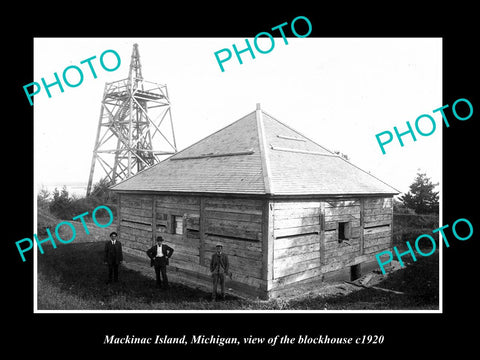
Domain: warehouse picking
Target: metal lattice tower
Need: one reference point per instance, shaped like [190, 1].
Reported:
[135, 130]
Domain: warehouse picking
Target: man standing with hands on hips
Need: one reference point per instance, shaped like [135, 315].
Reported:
[159, 255]
[219, 268]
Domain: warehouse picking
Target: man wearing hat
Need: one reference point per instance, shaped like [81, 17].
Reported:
[113, 256]
[219, 267]
[159, 255]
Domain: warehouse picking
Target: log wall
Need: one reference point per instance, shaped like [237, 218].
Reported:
[339, 254]
[270, 243]
[307, 235]
[378, 224]
[296, 244]
[193, 225]
[135, 223]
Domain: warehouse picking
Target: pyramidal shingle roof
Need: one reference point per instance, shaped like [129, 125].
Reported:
[256, 154]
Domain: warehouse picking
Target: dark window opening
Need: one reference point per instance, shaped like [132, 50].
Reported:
[343, 231]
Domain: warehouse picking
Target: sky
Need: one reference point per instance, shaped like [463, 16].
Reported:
[339, 92]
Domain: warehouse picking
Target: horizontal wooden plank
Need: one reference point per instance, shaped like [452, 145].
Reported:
[375, 230]
[189, 265]
[333, 225]
[136, 201]
[343, 217]
[342, 251]
[170, 199]
[193, 234]
[247, 279]
[344, 210]
[238, 260]
[233, 201]
[377, 248]
[288, 242]
[308, 229]
[145, 221]
[344, 257]
[212, 240]
[187, 257]
[280, 214]
[214, 229]
[290, 223]
[137, 212]
[138, 253]
[296, 250]
[378, 241]
[341, 203]
[137, 196]
[134, 230]
[251, 206]
[294, 259]
[131, 203]
[137, 244]
[234, 224]
[239, 209]
[235, 216]
[176, 239]
[385, 222]
[378, 208]
[177, 209]
[296, 268]
[293, 278]
[236, 251]
[296, 205]
[330, 236]
[185, 248]
[371, 237]
[378, 201]
[345, 263]
[147, 204]
[377, 211]
[335, 244]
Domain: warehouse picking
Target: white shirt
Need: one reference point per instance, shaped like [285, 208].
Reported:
[159, 251]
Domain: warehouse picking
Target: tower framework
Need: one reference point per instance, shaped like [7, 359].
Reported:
[135, 129]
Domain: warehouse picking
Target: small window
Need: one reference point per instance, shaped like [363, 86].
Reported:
[177, 224]
[343, 231]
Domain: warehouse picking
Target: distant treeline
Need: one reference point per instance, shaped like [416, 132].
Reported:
[62, 205]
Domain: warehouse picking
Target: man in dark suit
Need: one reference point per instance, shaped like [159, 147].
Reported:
[159, 255]
[219, 268]
[113, 256]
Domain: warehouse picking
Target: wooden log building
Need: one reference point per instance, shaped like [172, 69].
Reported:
[286, 210]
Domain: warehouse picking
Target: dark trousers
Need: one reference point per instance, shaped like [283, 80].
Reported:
[218, 278]
[112, 270]
[161, 268]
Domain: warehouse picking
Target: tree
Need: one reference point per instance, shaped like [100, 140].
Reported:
[421, 196]
[42, 198]
[60, 205]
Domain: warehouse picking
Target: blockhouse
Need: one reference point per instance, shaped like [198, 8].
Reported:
[286, 209]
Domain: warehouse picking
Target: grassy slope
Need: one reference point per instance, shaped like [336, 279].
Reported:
[73, 277]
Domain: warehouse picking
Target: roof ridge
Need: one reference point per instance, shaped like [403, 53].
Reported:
[239, 159]
[262, 142]
[333, 153]
[208, 136]
[181, 151]
[298, 132]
